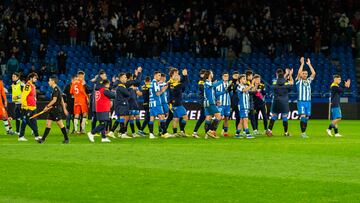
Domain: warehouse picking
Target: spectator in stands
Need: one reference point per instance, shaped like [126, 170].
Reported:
[246, 47]
[2, 62]
[358, 43]
[61, 62]
[43, 72]
[26, 50]
[42, 54]
[231, 32]
[73, 30]
[12, 65]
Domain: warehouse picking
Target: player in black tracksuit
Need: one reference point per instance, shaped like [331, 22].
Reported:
[251, 114]
[145, 94]
[280, 104]
[69, 100]
[234, 97]
[259, 103]
[121, 104]
[134, 107]
[201, 103]
[54, 109]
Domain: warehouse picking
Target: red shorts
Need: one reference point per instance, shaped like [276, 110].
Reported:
[80, 108]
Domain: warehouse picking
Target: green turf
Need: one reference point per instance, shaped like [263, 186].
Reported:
[277, 169]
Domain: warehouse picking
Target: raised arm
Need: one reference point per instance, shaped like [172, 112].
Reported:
[302, 60]
[313, 73]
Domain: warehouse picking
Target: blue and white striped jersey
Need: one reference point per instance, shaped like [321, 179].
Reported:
[244, 98]
[209, 93]
[154, 100]
[222, 95]
[163, 96]
[304, 89]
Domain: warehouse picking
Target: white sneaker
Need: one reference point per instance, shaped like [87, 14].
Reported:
[167, 135]
[91, 136]
[105, 140]
[134, 135]
[329, 132]
[124, 136]
[338, 135]
[22, 139]
[255, 132]
[111, 134]
[152, 136]
[195, 135]
[38, 138]
[222, 132]
[303, 135]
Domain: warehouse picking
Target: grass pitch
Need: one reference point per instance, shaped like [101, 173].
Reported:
[277, 169]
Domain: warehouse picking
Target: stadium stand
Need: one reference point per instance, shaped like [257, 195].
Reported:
[117, 36]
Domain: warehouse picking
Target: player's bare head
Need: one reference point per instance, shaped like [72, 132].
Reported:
[304, 74]
[337, 79]
[249, 74]
[173, 71]
[73, 77]
[33, 77]
[106, 83]
[208, 75]
[225, 76]
[201, 73]
[15, 76]
[235, 75]
[81, 74]
[122, 78]
[242, 78]
[163, 77]
[102, 75]
[147, 79]
[279, 73]
[157, 75]
[53, 80]
[129, 76]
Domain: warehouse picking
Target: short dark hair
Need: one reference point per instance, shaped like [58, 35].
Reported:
[248, 72]
[121, 74]
[147, 79]
[207, 74]
[157, 72]
[32, 75]
[172, 71]
[279, 71]
[105, 82]
[54, 78]
[73, 76]
[80, 72]
[163, 75]
[242, 76]
[129, 75]
[235, 72]
[336, 76]
[101, 72]
[225, 73]
[16, 74]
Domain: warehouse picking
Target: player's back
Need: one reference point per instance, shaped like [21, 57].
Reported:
[281, 90]
[78, 90]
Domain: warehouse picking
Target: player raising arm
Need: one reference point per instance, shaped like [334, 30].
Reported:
[303, 85]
